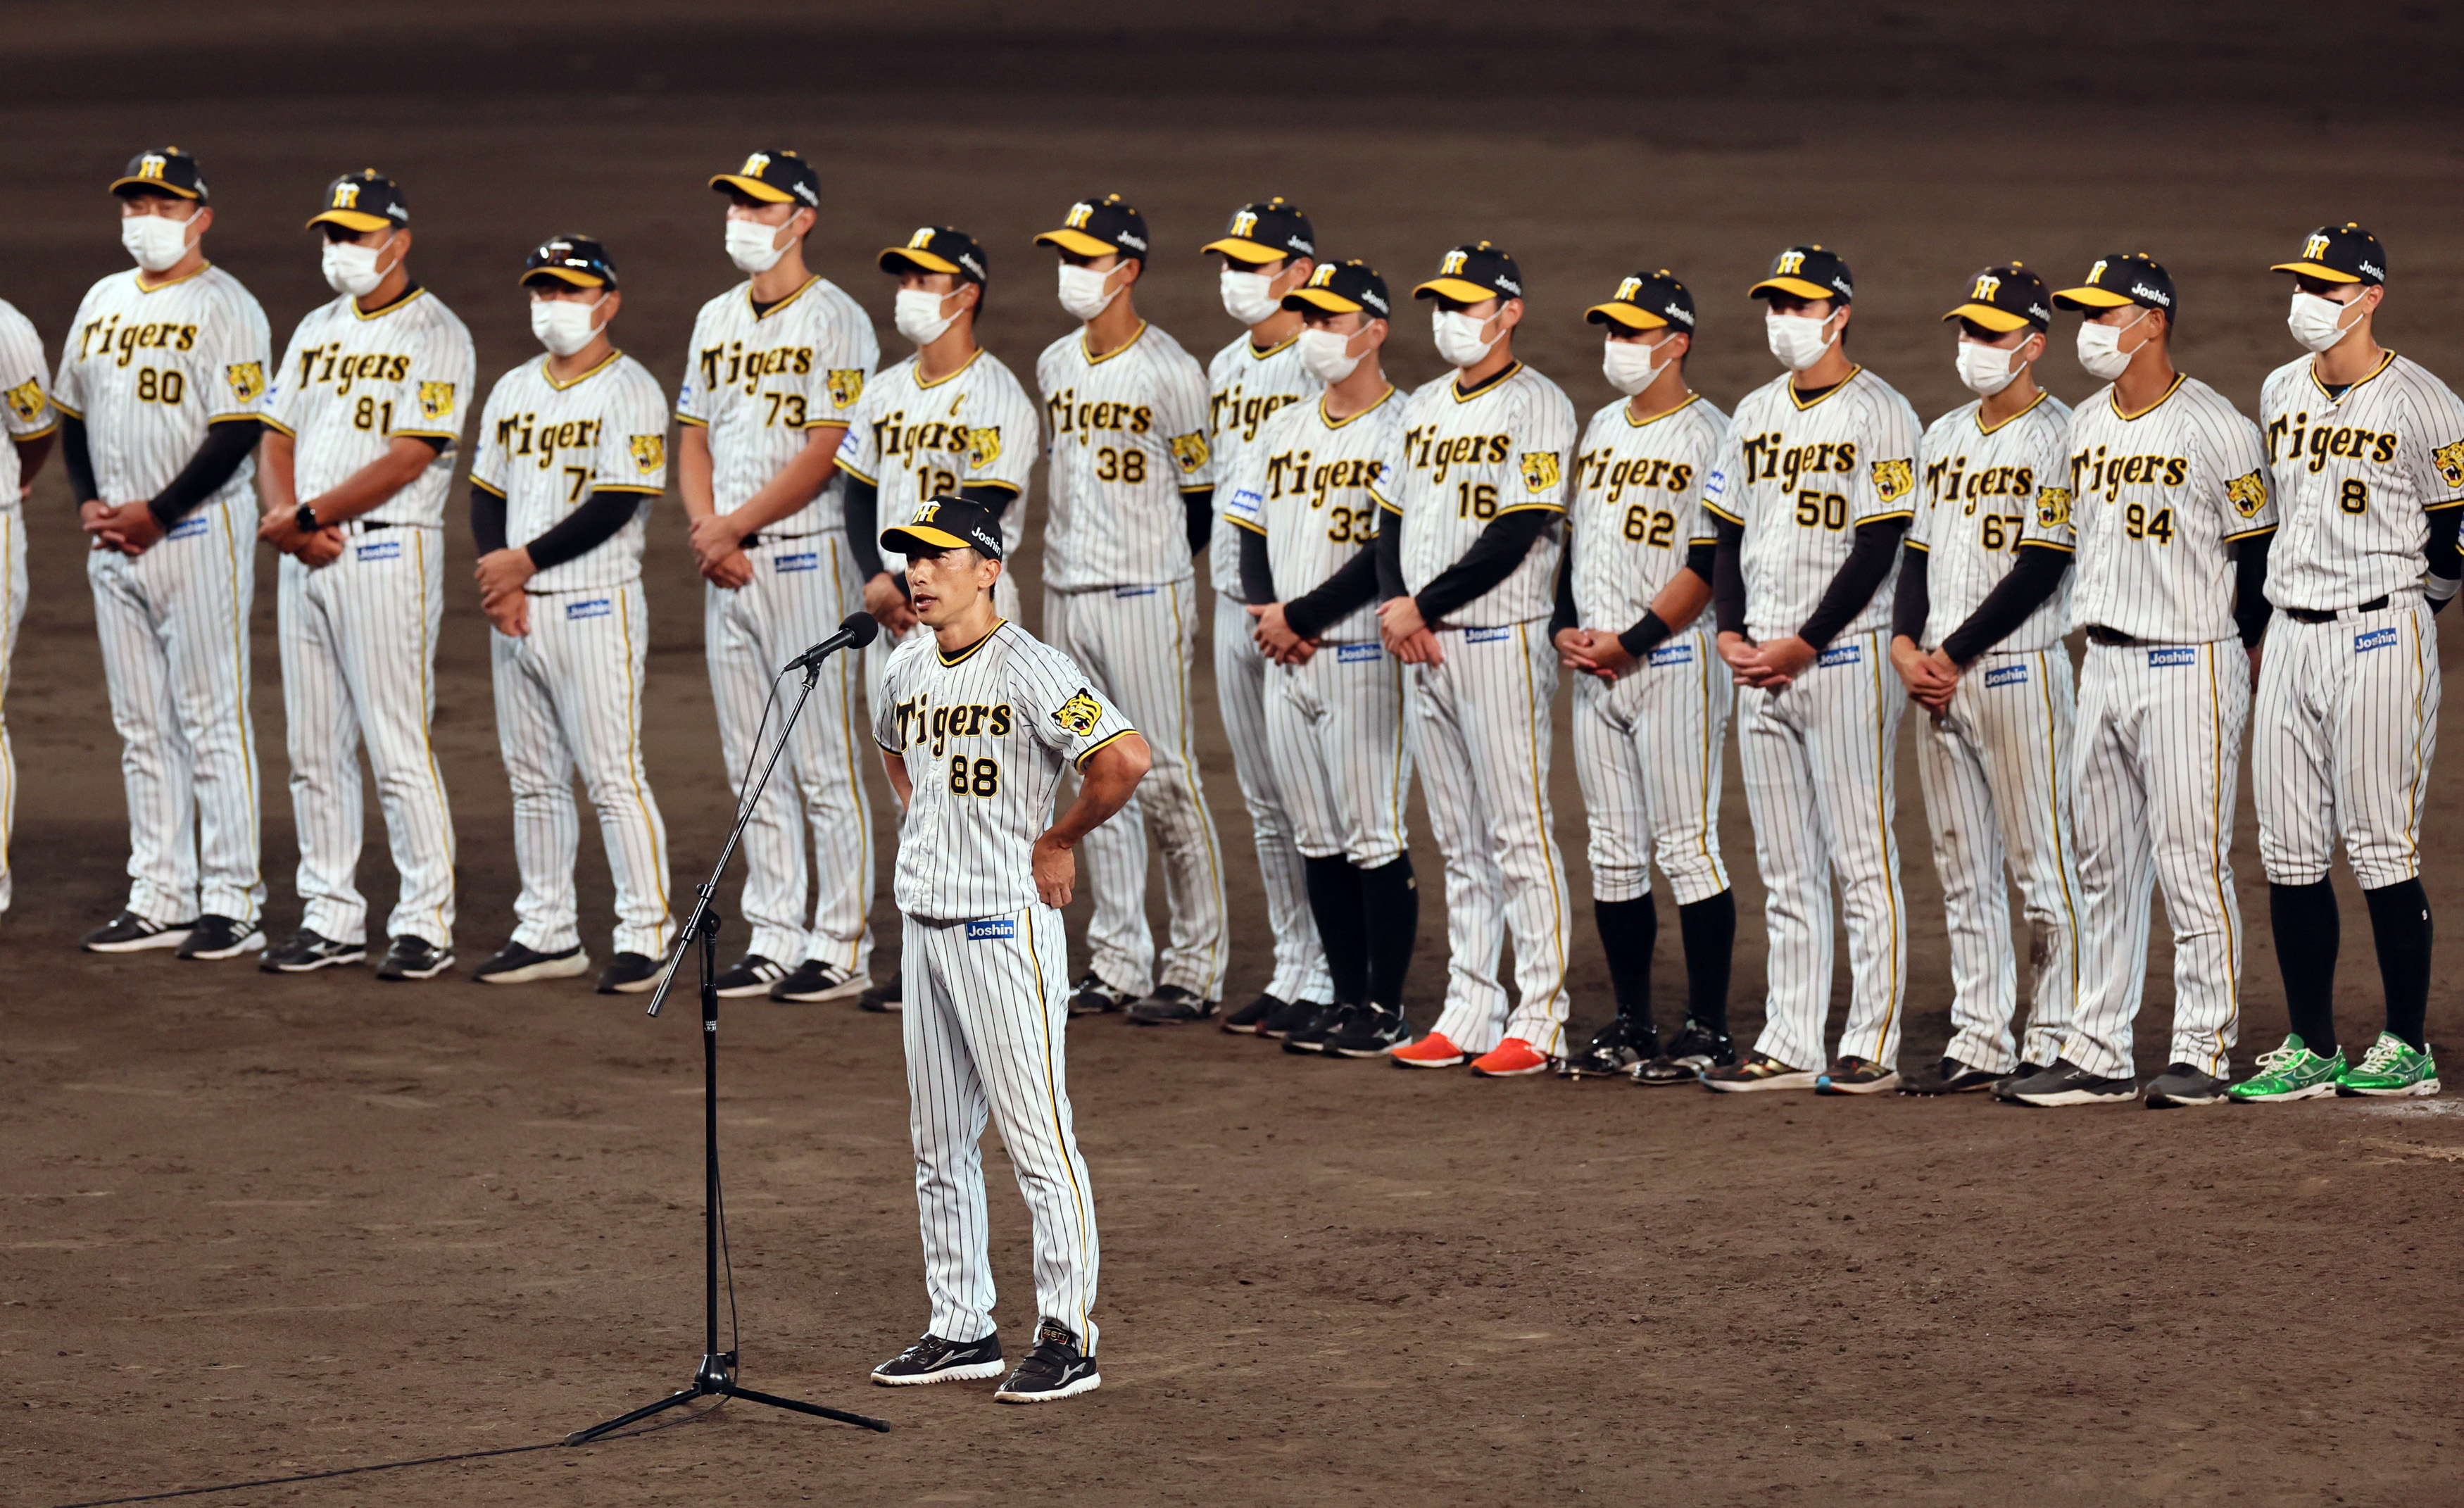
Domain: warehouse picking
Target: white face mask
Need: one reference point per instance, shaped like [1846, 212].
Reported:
[753, 247]
[2100, 349]
[351, 268]
[1084, 292]
[564, 326]
[156, 242]
[918, 313]
[1249, 297]
[1327, 354]
[1460, 341]
[1988, 369]
[1799, 343]
[1630, 366]
[2318, 322]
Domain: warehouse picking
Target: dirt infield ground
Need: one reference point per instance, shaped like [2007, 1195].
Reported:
[250, 1227]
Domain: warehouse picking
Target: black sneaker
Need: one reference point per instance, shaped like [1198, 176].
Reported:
[1054, 1370]
[1684, 1061]
[1313, 1035]
[629, 974]
[1950, 1076]
[217, 937]
[889, 996]
[1373, 1030]
[1170, 1006]
[2066, 1083]
[749, 975]
[1857, 1076]
[2020, 1075]
[410, 957]
[516, 964]
[308, 951]
[1245, 1019]
[1617, 1048]
[1092, 997]
[2182, 1084]
[131, 933]
[935, 1360]
[814, 982]
[1292, 1013]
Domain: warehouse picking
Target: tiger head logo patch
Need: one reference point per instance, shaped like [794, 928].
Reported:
[435, 399]
[984, 448]
[247, 379]
[1540, 471]
[1189, 452]
[2052, 507]
[649, 452]
[2248, 494]
[25, 400]
[1894, 480]
[1079, 714]
[846, 386]
[2449, 461]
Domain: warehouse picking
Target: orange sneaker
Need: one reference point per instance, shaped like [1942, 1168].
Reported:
[1510, 1059]
[1431, 1051]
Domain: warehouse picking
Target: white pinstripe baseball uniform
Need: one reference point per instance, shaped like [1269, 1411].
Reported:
[1246, 387]
[1818, 754]
[569, 691]
[1127, 438]
[1996, 768]
[149, 370]
[1335, 724]
[1479, 722]
[2156, 497]
[359, 633]
[760, 382]
[2348, 721]
[1648, 746]
[26, 414]
[983, 735]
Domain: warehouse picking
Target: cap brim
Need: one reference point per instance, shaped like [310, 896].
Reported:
[2090, 298]
[564, 274]
[351, 219]
[1077, 242]
[1233, 246]
[1795, 287]
[2326, 274]
[766, 192]
[157, 185]
[1332, 303]
[1456, 288]
[907, 539]
[2001, 322]
[893, 257]
[1626, 315]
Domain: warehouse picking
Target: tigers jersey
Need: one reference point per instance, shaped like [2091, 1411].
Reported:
[1470, 458]
[912, 439]
[1129, 437]
[1801, 477]
[2354, 475]
[149, 369]
[1637, 505]
[25, 400]
[350, 381]
[2155, 497]
[983, 735]
[544, 446]
[761, 382]
[1246, 387]
[1984, 494]
[1306, 485]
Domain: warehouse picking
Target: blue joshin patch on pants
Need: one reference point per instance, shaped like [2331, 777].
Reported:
[2007, 675]
[1119, 591]
[1673, 654]
[1352, 654]
[595, 607]
[805, 562]
[1484, 636]
[2375, 638]
[1842, 654]
[997, 927]
[2180, 654]
[378, 550]
[187, 528]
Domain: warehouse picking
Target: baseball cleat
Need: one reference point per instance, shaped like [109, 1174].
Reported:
[1757, 1071]
[2291, 1072]
[889, 995]
[2391, 1069]
[1289, 1016]
[516, 964]
[1312, 1036]
[814, 982]
[1512, 1058]
[935, 1360]
[1054, 1370]
[1951, 1076]
[628, 974]
[1170, 1006]
[308, 951]
[2182, 1084]
[130, 934]
[1091, 995]
[2020, 1075]
[1697, 1048]
[1857, 1076]
[1431, 1051]
[2066, 1083]
[1245, 1019]
[218, 937]
[410, 957]
[749, 975]
[1620, 1047]
[1373, 1030]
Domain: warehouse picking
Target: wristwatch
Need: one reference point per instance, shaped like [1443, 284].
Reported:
[306, 520]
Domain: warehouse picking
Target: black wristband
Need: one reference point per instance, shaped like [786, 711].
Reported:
[1649, 632]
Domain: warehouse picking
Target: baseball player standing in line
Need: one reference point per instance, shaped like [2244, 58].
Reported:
[2368, 455]
[1651, 697]
[160, 384]
[361, 420]
[26, 413]
[974, 722]
[776, 367]
[2170, 503]
[1976, 636]
[1301, 499]
[1269, 250]
[1471, 579]
[1812, 494]
[572, 450]
[1132, 503]
[949, 421]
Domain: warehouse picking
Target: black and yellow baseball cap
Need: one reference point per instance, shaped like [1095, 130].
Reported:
[944, 522]
[1100, 227]
[2339, 253]
[2119, 279]
[1266, 233]
[1647, 301]
[938, 249]
[1807, 272]
[1472, 274]
[1342, 288]
[366, 200]
[164, 170]
[774, 176]
[575, 259]
[2002, 298]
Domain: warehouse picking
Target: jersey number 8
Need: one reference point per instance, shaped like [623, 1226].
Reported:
[973, 776]
[2354, 496]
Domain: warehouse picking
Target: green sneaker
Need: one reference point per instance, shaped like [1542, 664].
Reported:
[2389, 1070]
[2291, 1072]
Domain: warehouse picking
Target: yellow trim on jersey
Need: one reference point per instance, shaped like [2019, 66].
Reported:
[2028, 544]
[145, 287]
[1885, 732]
[1332, 422]
[1834, 391]
[687, 419]
[1632, 422]
[267, 420]
[1256, 355]
[759, 315]
[2041, 395]
[1717, 511]
[1535, 714]
[1061, 1141]
[920, 383]
[826, 424]
[1198, 487]
[487, 487]
[1092, 359]
[1488, 384]
[1883, 518]
[2113, 398]
[447, 435]
[1081, 761]
[231, 419]
[1919, 546]
[998, 623]
[1526, 508]
[72, 413]
[622, 597]
[37, 434]
[2248, 534]
[612, 355]
[427, 731]
[1011, 487]
[2219, 834]
[1243, 523]
[2427, 508]
[848, 470]
[2387, 358]
[411, 297]
[625, 487]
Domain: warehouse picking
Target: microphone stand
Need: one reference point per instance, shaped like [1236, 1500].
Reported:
[716, 1377]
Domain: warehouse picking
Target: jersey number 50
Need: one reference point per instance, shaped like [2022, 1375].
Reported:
[1821, 510]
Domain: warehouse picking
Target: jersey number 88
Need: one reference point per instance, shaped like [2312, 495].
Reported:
[973, 776]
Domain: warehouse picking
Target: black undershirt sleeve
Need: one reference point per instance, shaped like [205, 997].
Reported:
[1869, 561]
[861, 503]
[1911, 603]
[2250, 607]
[1389, 554]
[994, 501]
[79, 461]
[1729, 580]
[1491, 559]
[584, 528]
[1701, 557]
[1337, 597]
[1257, 574]
[1565, 616]
[487, 519]
[226, 445]
[2033, 579]
[1200, 504]
[2444, 560]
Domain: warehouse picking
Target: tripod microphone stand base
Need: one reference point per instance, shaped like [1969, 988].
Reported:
[717, 1379]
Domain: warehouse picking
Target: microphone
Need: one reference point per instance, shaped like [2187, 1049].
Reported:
[856, 631]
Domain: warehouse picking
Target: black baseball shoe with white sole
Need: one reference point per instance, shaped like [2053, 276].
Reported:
[1091, 995]
[1289, 1016]
[1247, 1020]
[935, 1360]
[2184, 1084]
[1696, 1049]
[890, 995]
[308, 951]
[1314, 1034]
[1615, 1048]
[517, 964]
[1373, 1030]
[814, 982]
[2016, 1076]
[1171, 1005]
[628, 974]
[413, 957]
[749, 975]
[1950, 1076]
[131, 933]
[1054, 1370]
[2066, 1083]
[217, 937]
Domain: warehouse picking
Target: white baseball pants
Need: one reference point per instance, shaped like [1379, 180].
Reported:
[12, 617]
[1241, 676]
[1648, 749]
[1334, 727]
[2347, 726]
